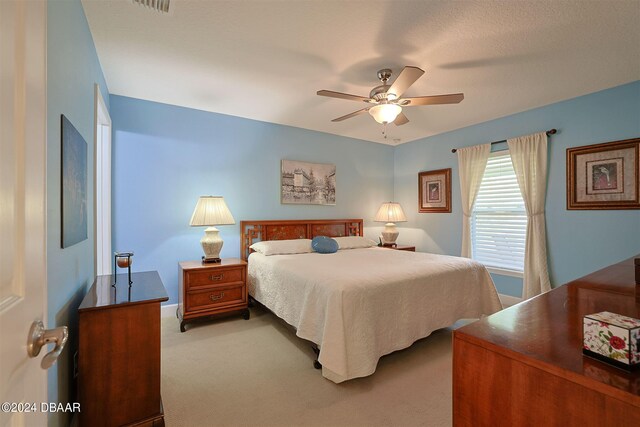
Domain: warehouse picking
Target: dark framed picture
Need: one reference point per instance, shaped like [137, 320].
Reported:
[434, 191]
[74, 185]
[604, 176]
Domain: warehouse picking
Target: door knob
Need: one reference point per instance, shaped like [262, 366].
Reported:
[39, 337]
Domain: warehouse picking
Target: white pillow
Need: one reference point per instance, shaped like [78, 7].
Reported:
[282, 247]
[354, 242]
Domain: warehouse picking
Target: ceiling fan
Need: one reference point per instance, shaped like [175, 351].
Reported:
[387, 99]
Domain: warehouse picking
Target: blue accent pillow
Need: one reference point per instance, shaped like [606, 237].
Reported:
[324, 245]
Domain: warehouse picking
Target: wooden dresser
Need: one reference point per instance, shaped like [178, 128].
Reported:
[524, 366]
[119, 352]
[210, 289]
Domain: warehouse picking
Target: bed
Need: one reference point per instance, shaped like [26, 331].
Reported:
[357, 305]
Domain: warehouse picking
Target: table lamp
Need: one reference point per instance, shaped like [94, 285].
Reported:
[390, 213]
[210, 211]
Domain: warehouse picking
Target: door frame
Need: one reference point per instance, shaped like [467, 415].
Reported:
[102, 185]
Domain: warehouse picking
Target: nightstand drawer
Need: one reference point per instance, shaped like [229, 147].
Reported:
[218, 297]
[214, 277]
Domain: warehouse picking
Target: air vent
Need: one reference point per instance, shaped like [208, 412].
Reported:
[159, 5]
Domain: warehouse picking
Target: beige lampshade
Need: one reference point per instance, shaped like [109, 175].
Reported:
[211, 210]
[390, 212]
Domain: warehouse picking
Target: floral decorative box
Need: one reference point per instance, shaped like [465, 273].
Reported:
[612, 338]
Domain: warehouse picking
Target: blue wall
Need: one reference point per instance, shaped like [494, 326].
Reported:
[166, 156]
[579, 242]
[72, 71]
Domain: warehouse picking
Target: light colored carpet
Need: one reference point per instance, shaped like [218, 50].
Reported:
[235, 372]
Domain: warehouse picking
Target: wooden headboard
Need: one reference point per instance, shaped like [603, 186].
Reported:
[256, 231]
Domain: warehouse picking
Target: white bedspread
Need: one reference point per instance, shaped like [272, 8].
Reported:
[360, 304]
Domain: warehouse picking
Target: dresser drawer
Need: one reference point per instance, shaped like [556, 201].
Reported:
[214, 277]
[219, 297]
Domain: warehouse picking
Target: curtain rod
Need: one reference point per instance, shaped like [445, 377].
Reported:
[549, 133]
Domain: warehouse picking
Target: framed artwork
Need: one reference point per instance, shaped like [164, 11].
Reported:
[604, 176]
[434, 191]
[305, 183]
[74, 185]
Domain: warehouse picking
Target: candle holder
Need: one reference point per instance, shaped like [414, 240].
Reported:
[122, 260]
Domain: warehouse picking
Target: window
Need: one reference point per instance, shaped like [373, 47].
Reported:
[499, 219]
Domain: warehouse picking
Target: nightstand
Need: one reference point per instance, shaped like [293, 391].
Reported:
[401, 248]
[210, 289]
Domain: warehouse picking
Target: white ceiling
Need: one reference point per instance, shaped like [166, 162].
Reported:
[265, 60]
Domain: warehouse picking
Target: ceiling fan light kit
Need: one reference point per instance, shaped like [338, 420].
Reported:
[387, 99]
[385, 113]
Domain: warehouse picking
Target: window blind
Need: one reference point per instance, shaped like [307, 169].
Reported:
[499, 219]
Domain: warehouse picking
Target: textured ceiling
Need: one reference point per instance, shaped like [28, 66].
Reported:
[265, 60]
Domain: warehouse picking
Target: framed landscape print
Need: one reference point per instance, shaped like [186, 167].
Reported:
[604, 176]
[305, 183]
[434, 191]
[74, 185]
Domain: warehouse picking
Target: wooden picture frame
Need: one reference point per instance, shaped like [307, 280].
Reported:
[434, 191]
[604, 176]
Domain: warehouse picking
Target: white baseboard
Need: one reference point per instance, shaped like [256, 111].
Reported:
[170, 310]
[508, 300]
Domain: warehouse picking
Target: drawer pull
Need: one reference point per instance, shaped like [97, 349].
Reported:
[214, 297]
[218, 277]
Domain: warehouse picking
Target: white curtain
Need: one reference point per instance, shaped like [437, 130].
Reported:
[472, 162]
[529, 157]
